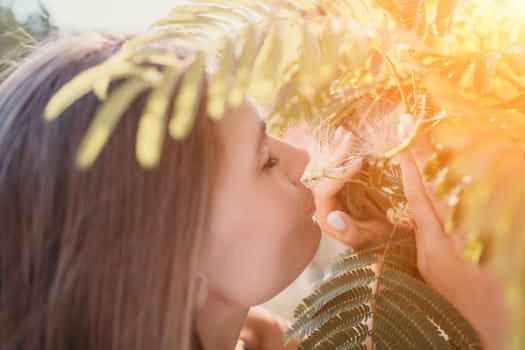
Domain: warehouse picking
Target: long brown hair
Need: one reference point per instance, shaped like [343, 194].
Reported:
[104, 258]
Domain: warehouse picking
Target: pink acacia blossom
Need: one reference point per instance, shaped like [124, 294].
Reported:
[376, 135]
[329, 151]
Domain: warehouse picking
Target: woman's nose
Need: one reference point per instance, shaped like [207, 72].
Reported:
[298, 160]
[303, 158]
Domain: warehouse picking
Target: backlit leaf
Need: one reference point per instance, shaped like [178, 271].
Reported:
[106, 119]
[188, 99]
[217, 91]
[152, 126]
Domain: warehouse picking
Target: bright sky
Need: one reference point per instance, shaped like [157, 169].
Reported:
[125, 14]
[98, 14]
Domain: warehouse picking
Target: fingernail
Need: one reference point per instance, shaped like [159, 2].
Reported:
[336, 221]
[338, 131]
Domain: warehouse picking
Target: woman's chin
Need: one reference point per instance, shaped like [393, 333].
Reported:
[313, 237]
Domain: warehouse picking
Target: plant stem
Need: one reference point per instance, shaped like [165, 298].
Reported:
[393, 69]
[373, 305]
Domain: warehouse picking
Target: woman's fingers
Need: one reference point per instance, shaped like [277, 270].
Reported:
[353, 232]
[421, 153]
[343, 227]
[418, 201]
[334, 182]
[326, 190]
[338, 224]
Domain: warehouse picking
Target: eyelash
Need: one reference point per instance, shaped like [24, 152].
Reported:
[271, 162]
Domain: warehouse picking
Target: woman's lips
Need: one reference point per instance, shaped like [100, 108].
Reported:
[310, 206]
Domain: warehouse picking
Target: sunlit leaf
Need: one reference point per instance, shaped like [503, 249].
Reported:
[244, 68]
[72, 91]
[514, 62]
[484, 71]
[100, 87]
[444, 14]
[267, 64]
[188, 99]
[410, 11]
[309, 60]
[157, 57]
[99, 76]
[217, 91]
[152, 126]
[329, 56]
[160, 36]
[391, 6]
[106, 119]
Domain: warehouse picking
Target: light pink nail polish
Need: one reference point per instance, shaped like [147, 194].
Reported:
[336, 221]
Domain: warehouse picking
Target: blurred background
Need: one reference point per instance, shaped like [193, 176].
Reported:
[25, 22]
[20, 27]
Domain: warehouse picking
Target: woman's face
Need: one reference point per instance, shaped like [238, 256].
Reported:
[262, 233]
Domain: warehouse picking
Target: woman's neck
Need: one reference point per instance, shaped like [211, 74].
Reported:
[219, 323]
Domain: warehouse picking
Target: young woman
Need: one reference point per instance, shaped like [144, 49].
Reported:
[119, 257]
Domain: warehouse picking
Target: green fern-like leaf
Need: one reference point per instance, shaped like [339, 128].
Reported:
[389, 334]
[350, 338]
[341, 322]
[406, 313]
[435, 307]
[353, 302]
[402, 262]
[423, 332]
[347, 263]
[333, 288]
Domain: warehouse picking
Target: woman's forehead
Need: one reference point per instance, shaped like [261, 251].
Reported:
[241, 122]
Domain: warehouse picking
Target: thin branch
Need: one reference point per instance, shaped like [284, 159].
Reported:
[393, 69]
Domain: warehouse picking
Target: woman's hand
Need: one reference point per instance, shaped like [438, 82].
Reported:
[331, 214]
[263, 331]
[472, 289]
